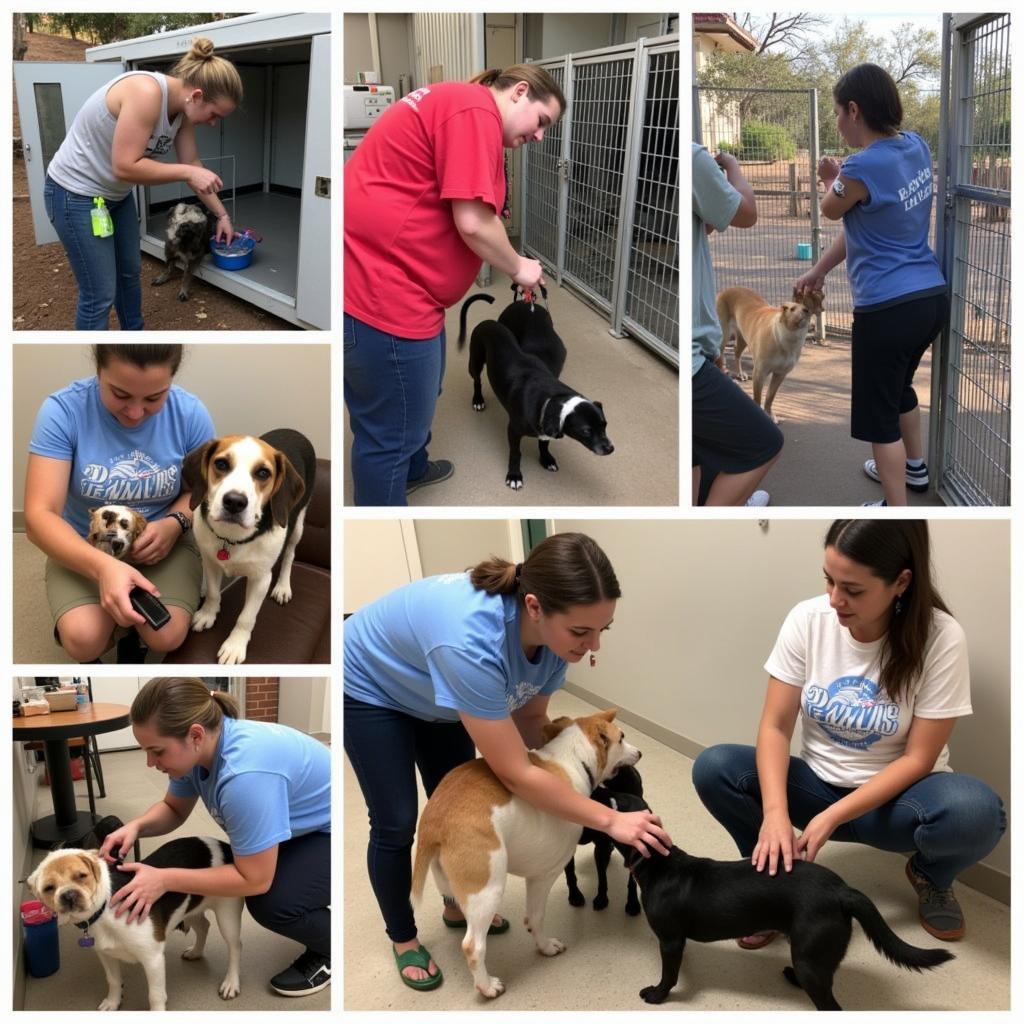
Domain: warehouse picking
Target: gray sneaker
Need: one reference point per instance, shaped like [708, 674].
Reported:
[938, 910]
[917, 476]
[437, 471]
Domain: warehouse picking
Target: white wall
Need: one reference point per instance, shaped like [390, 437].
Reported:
[304, 704]
[356, 40]
[248, 388]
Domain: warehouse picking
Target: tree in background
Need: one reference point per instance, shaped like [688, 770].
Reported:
[109, 28]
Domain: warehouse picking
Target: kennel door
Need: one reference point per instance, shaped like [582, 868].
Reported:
[50, 94]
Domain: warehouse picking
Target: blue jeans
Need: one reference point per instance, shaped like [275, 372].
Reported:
[391, 389]
[107, 269]
[385, 748]
[947, 820]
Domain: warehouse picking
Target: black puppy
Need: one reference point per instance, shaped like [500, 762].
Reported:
[706, 900]
[527, 385]
[534, 329]
[625, 781]
[188, 230]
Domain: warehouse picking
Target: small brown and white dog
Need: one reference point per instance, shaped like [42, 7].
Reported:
[114, 529]
[78, 884]
[252, 494]
[473, 833]
[774, 334]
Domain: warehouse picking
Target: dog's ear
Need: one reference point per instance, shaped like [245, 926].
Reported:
[138, 525]
[91, 861]
[288, 488]
[608, 714]
[818, 301]
[32, 881]
[194, 470]
[550, 730]
[599, 405]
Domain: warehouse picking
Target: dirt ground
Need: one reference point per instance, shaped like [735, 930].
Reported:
[45, 293]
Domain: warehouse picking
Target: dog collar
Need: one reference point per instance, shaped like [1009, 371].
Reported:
[87, 940]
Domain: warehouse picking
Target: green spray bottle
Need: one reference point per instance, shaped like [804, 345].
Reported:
[102, 222]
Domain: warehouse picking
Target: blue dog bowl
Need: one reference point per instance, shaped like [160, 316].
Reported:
[235, 256]
[803, 250]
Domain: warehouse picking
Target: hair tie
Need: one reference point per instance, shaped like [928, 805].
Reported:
[519, 570]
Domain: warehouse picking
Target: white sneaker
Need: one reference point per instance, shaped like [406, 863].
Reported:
[917, 476]
[874, 504]
[758, 499]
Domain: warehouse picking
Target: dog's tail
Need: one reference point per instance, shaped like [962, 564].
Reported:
[426, 852]
[462, 315]
[885, 940]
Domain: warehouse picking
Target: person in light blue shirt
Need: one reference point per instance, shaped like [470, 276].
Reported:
[884, 196]
[118, 438]
[463, 660]
[268, 787]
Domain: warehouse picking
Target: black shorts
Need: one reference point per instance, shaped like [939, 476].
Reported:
[887, 347]
[731, 434]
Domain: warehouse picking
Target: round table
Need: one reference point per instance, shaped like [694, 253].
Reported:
[67, 824]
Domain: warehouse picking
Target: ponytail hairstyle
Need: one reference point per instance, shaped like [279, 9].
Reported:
[886, 547]
[541, 85]
[140, 356]
[173, 704]
[562, 571]
[216, 77]
[873, 90]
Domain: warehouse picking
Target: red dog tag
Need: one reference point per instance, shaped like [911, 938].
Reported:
[223, 555]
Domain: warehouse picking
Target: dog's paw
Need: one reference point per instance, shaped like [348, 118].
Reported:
[230, 987]
[110, 1004]
[282, 593]
[479, 405]
[232, 651]
[493, 988]
[204, 618]
[549, 464]
[551, 947]
[633, 908]
[740, 375]
[183, 296]
[653, 994]
[159, 280]
[577, 899]
[515, 481]
[600, 902]
[191, 953]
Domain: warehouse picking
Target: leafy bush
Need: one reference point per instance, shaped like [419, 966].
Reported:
[762, 141]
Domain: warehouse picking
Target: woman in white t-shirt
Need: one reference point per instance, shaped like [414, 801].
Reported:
[877, 671]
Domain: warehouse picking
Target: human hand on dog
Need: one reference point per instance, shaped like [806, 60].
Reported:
[774, 841]
[640, 829]
[812, 281]
[815, 835]
[156, 540]
[118, 843]
[115, 581]
[138, 896]
[530, 273]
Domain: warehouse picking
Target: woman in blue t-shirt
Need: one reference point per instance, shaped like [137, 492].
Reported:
[268, 787]
[465, 660]
[884, 196]
[118, 438]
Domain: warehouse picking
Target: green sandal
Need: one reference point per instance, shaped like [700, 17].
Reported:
[495, 929]
[417, 958]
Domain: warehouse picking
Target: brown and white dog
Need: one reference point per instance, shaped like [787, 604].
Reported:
[114, 529]
[78, 884]
[473, 833]
[774, 334]
[252, 494]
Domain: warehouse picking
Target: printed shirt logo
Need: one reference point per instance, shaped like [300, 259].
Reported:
[850, 711]
[522, 693]
[131, 477]
[413, 99]
[158, 145]
[917, 190]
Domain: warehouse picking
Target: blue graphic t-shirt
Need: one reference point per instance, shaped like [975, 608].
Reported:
[887, 253]
[114, 465]
[439, 646]
[850, 729]
[267, 784]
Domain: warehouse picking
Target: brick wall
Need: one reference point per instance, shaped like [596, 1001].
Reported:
[261, 699]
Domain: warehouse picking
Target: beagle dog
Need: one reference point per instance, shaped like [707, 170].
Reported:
[252, 494]
[114, 529]
[77, 886]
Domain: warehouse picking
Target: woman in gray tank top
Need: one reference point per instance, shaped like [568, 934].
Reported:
[111, 147]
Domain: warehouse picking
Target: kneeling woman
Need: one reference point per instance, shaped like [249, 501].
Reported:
[269, 788]
[877, 671]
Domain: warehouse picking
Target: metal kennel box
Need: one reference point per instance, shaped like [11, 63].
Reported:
[273, 153]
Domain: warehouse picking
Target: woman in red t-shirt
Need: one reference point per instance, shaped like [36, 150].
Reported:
[423, 196]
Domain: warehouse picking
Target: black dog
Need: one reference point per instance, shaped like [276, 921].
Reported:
[625, 781]
[189, 229]
[524, 376]
[706, 900]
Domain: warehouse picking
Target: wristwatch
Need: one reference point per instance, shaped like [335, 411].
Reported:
[182, 520]
[839, 188]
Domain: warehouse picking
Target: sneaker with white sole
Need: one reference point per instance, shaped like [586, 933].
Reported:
[917, 476]
[309, 974]
[758, 499]
[881, 503]
[437, 471]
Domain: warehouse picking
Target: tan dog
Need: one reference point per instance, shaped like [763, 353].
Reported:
[774, 334]
[114, 529]
[473, 833]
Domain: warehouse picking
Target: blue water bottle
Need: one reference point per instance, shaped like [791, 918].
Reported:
[42, 946]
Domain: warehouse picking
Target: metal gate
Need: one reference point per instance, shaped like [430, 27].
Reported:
[600, 195]
[970, 435]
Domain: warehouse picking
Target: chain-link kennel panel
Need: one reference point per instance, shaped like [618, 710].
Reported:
[542, 192]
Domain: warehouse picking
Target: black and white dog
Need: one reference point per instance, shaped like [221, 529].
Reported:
[189, 229]
[524, 357]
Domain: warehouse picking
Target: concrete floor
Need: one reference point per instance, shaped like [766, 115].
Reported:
[610, 956]
[640, 395]
[191, 985]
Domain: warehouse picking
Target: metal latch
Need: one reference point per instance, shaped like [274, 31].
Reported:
[322, 187]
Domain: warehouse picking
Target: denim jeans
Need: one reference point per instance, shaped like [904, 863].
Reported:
[107, 269]
[949, 821]
[385, 748]
[391, 389]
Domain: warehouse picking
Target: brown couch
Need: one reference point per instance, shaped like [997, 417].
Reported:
[298, 632]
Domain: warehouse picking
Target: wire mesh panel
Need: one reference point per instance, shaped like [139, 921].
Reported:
[652, 289]
[601, 91]
[543, 180]
[975, 399]
[770, 132]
